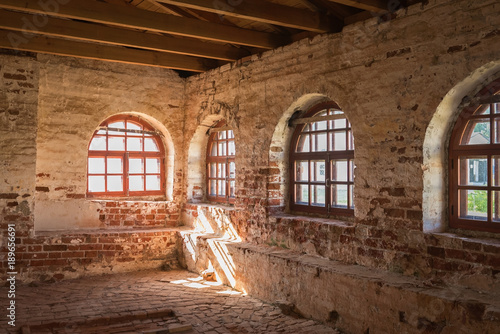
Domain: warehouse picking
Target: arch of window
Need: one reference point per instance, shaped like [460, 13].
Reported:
[474, 163]
[221, 168]
[322, 162]
[126, 157]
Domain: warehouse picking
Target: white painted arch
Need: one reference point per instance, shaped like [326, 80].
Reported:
[435, 149]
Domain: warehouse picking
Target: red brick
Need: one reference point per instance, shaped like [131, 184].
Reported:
[436, 251]
[54, 248]
[73, 254]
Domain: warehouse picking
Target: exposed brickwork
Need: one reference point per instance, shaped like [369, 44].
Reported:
[62, 255]
[138, 214]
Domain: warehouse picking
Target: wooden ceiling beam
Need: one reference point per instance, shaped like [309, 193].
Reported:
[41, 44]
[370, 5]
[90, 32]
[262, 11]
[134, 18]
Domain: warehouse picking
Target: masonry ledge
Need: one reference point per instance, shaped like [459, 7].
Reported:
[317, 265]
[212, 205]
[320, 220]
[492, 244]
[58, 233]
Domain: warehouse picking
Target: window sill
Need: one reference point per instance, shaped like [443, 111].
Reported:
[313, 219]
[129, 199]
[458, 240]
[226, 207]
[125, 230]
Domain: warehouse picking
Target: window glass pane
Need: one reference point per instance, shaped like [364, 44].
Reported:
[134, 144]
[115, 182]
[150, 145]
[477, 132]
[318, 170]
[339, 170]
[496, 130]
[152, 165]
[302, 170]
[473, 171]
[495, 206]
[222, 134]
[339, 195]
[483, 110]
[136, 165]
[116, 143]
[152, 182]
[496, 107]
[230, 134]
[133, 126]
[351, 140]
[136, 182]
[231, 189]
[318, 126]
[303, 143]
[119, 125]
[222, 149]
[222, 188]
[302, 194]
[495, 170]
[339, 141]
[98, 143]
[351, 175]
[96, 184]
[319, 143]
[473, 204]
[317, 195]
[212, 187]
[230, 148]
[221, 170]
[340, 123]
[97, 166]
[213, 170]
[115, 166]
[351, 189]
[232, 170]
[213, 151]
[101, 132]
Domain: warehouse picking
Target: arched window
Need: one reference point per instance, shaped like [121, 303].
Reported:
[475, 163]
[221, 169]
[126, 158]
[322, 162]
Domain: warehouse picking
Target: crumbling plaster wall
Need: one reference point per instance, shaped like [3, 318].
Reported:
[389, 78]
[75, 96]
[49, 109]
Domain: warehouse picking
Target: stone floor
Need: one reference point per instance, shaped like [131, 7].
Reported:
[143, 301]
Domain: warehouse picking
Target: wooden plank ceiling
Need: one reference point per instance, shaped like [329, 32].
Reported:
[189, 36]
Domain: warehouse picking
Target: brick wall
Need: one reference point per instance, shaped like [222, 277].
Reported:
[138, 214]
[389, 78]
[63, 255]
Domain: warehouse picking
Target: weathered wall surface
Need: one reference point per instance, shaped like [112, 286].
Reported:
[49, 109]
[75, 97]
[18, 127]
[389, 78]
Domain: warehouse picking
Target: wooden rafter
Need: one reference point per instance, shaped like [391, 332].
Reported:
[41, 44]
[262, 11]
[126, 17]
[90, 32]
[370, 5]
